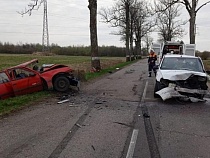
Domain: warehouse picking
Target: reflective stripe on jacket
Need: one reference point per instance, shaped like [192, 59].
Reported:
[152, 58]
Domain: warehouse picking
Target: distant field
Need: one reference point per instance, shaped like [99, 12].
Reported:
[75, 62]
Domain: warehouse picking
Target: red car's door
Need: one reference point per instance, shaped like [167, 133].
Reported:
[25, 81]
[6, 89]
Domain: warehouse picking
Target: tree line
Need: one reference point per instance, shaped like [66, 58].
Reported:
[111, 51]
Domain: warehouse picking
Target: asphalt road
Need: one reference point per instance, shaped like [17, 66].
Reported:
[111, 117]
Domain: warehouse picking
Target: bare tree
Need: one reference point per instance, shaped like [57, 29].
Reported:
[168, 26]
[95, 61]
[31, 6]
[148, 41]
[144, 23]
[134, 20]
[192, 8]
[119, 16]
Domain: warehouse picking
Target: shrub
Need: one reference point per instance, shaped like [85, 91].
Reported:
[205, 55]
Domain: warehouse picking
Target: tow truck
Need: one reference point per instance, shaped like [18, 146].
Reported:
[173, 47]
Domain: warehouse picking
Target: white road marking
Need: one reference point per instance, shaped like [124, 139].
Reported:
[144, 93]
[135, 131]
[132, 144]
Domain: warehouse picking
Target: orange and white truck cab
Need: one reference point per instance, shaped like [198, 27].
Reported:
[172, 47]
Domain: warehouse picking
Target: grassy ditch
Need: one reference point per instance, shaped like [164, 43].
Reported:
[13, 104]
[108, 64]
[89, 75]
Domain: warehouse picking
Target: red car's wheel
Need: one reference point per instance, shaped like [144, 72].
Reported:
[61, 84]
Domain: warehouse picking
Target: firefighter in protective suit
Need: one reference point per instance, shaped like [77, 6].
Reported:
[151, 62]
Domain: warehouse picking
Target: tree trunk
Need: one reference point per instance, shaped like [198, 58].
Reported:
[192, 30]
[138, 40]
[192, 22]
[128, 56]
[131, 42]
[138, 48]
[95, 60]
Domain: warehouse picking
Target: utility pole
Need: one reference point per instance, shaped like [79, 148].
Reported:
[45, 35]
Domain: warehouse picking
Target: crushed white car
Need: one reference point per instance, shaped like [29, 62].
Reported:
[181, 76]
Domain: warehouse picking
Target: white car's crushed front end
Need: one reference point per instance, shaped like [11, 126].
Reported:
[183, 84]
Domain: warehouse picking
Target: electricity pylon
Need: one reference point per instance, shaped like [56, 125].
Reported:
[45, 36]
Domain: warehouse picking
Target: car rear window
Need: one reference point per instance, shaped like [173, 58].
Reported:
[3, 78]
[182, 63]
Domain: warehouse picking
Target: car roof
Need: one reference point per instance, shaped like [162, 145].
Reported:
[178, 55]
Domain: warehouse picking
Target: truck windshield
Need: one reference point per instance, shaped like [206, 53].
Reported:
[182, 63]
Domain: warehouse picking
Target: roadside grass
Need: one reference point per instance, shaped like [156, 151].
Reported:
[90, 75]
[109, 65]
[207, 64]
[13, 104]
[207, 67]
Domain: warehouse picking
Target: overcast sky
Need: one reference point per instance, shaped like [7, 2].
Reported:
[68, 22]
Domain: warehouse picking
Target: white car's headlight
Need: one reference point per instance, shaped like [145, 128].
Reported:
[164, 82]
[202, 79]
[208, 77]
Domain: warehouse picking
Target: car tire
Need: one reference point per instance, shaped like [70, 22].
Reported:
[157, 88]
[61, 84]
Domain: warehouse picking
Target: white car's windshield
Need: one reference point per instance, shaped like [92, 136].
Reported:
[182, 63]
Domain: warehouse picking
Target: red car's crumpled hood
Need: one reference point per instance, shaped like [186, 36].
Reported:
[26, 64]
[49, 67]
[45, 67]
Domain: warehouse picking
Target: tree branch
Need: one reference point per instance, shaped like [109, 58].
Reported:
[31, 7]
[202, 6]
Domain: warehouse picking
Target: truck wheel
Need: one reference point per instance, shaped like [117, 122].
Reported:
[61, 84]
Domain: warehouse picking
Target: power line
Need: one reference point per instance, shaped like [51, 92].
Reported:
[51, 34]
[54, 15]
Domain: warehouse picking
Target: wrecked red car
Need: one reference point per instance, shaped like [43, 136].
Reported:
[28, 77]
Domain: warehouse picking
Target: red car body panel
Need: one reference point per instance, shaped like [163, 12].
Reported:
[27, 85]
[50, 72]
[6, 90]
[22, 79]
